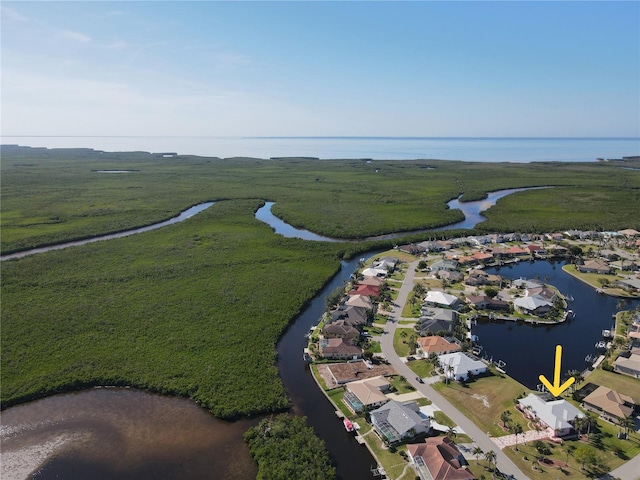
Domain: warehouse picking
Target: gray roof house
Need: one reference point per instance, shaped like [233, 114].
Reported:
[436, 319]
[396, 421]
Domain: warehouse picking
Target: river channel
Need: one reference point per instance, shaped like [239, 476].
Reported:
[122, 433]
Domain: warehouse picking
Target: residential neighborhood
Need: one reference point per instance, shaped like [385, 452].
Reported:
[398, 342]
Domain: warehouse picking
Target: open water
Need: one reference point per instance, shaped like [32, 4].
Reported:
[377, 148]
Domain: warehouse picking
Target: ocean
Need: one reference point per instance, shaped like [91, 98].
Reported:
[518, 150]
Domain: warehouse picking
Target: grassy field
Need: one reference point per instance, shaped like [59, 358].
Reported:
[484, 400]
[196, 309]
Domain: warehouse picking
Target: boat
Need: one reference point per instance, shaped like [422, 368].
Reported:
[601, 345]
[589, 358]
[606, 334]
[348, 426]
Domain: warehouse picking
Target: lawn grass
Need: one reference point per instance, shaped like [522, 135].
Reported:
[484, 400]
[421, 368]
[401, 384]
[400, 341]
[616, 381]
[443, 419]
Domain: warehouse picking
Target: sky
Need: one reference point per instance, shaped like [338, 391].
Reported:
[351, 68]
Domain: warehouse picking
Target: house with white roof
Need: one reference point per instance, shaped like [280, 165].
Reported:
[458, 365]
[441, 299]
[557, 414]
[534, 305]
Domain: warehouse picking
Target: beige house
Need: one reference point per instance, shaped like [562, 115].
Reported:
[436, 344]
[366, 394]
[609, 404]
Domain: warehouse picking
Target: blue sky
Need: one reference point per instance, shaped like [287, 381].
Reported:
[321, 68]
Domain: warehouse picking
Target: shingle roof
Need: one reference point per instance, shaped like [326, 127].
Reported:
[610, 401]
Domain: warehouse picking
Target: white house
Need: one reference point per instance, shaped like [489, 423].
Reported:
[435, 297]
[558, 414]
[458, 365]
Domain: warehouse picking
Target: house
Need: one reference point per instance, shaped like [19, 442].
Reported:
[629, 284]
[452, 276]
[535, 249]
[484, 302]
[557, 415]
[367, 290]
[352, 315]
[366, 394]
[436, 344]
[461, 365]
[543, 292]
[386, 263]
[360, 301]
[374, 281]
[437, 298]
[628, 365]
[629, 232]
[340, 329]
[480, 277]
[482, 257]
[633, 332]
[339, 348]
[594, 266]
[434, 320]
[396, 421]
[444, 265]
[609, 404]
[412, 249]
[374, 272]
[532, 305]
[516, 251]
[438, 458]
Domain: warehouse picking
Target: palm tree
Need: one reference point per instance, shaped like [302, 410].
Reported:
[504, 417]
[626, 423]
[451, 432]
[516, 429]
[476, 452]
[449, 369]
[590, 420]
[579, 423]
[491, 457]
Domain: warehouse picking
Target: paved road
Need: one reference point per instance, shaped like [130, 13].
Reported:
[504, 464]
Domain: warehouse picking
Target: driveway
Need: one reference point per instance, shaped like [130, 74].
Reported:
[386, 342]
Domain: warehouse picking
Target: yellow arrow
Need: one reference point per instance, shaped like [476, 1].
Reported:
[556, 389]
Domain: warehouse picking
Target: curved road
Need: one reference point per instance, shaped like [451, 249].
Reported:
[505, 465]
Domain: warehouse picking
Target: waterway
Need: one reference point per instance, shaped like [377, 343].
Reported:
[122, 433]
[184, 215]
[529, 350]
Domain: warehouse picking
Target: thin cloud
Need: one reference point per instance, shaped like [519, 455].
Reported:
[231, 59]
[12, 14]
[75, 36]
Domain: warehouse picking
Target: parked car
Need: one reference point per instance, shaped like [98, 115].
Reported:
[420, 379]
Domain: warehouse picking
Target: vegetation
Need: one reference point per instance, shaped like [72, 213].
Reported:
[196, 308]
[285, 447]
[485, 400]
[181, 310]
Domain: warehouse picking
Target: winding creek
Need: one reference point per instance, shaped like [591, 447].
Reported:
[122, 433]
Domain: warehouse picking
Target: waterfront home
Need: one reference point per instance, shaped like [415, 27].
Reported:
[438, 458]
[352, 315]
[482, 257]
[412, 249]
[339, 348]
[341, 373]
[558, 415]
[480, 277]
[367, 290]
[436, 344]
[340, 329]
[633, 331]
[609, 404]
[441, 299]
[543, 292]
[594, 266]
[460, 366]
[386, 263]
[484, 302]
[435, 320]
[629, 284]
[395, 421]
[535, 250]
[360, 301]
[532, 305]
[375, 272]
[374, 281]
[516, 251]
[628, 364]
[366, 394]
